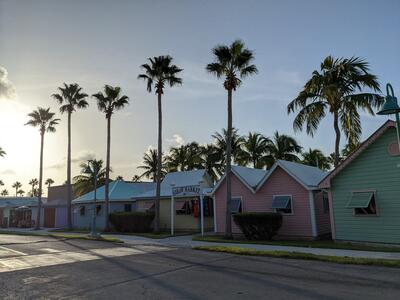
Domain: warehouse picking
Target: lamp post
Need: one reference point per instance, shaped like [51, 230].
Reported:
[391, 107]
[93, 169]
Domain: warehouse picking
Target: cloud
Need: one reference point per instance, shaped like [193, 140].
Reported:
[7, 89]
[82, 156]
[8, 172]
[176, 140]
[289, 77]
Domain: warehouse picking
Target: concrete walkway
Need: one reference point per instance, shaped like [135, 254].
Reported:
[186, 241]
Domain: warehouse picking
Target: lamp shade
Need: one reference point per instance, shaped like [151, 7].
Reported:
[390, 106]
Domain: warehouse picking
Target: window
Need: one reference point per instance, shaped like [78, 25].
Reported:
[235, 205]
[363, 203]
[82, 210]
[325, 202]
[283, 204]
[182, 207]
[98, 210]
[127, 207]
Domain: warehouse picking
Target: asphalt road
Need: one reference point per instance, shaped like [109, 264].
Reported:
[45, 268]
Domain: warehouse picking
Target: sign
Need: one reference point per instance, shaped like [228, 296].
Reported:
[189, 190]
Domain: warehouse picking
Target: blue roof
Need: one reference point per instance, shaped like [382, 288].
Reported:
[19, 201]
[118, 190]
[250, 175]
[308, 175]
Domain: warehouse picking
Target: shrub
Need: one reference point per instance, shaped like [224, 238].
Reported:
[258, 226]
[132, 221]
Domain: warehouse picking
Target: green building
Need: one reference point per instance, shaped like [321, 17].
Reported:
[364, 191]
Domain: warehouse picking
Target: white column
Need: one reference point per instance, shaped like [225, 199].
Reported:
[172, 210]
[312, 214]
[215, 215]
[201, 213]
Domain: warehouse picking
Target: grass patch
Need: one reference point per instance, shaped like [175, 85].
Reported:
[152, 235]
[326, 244]
[306, 256]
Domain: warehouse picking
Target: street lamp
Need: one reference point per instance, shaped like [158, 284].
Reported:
[391, 107]
[93, 169]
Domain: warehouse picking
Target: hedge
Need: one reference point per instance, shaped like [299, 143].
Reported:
[258, 226]
[132, 221]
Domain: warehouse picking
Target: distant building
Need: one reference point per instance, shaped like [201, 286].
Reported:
[55, 210]
[19, 211]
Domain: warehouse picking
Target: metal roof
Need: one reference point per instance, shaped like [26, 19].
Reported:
[19, 201]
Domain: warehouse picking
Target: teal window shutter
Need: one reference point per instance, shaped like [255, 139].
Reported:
[360, 200]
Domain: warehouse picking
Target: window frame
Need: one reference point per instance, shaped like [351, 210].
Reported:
[376, 204]
[325, 206]
[82, 208]
[99, 211]
[241, 204]
[126, 205]
[291, 204]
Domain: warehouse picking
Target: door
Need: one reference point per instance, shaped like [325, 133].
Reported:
[49, 217]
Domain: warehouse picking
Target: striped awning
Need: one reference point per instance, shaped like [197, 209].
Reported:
[148, 205]
[179, 205]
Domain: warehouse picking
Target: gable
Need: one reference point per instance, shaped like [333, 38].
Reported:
[280, 181]
[239, 188]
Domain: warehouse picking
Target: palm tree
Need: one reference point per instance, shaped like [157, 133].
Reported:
[136, 178]
[45, 120]
[4, 193]
[159, 73]
[108, 102]
[349, 148]
[254, 149]
[233, 63]
[315, 158]
[2, 152]
[335, 90]
[220, 141]
[16, 185]
[150, 162]
[119, 178]
[49, 182]
[33, 183]
[70, 98]
[84, 183]
[282, 146]
[211, 161]
[21, 193]
[184, 158]
[1, 182]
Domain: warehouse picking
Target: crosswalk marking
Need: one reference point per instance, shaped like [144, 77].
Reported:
[51, 259]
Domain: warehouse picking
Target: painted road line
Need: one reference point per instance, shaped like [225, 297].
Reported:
[4, 251]
[52, 259]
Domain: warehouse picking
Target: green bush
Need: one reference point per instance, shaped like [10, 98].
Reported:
[132, 221]
[258, 226]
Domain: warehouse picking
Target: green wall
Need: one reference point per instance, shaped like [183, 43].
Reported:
[375, 169]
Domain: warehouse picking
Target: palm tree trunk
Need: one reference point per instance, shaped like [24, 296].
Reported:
[228, 225]
[337, 141]
[39, 207]
[107, 225]
[69, 186]
[159, 166]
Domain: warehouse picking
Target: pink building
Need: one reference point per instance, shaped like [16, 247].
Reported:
[289, 188]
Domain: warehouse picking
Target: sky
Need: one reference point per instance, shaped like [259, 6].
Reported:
[94, 42]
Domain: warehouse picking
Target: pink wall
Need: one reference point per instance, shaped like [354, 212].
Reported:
[279, 183]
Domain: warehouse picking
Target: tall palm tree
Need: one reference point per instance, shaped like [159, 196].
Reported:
[282, 146]
[16, 185]
[150, 162]
[49, 182]
[2, 152]
[46, 121]
[4, 193]
[159, 73]
[253, 150]
[220, 142]
[336, 89]
[84, 183]
[315, 158]
[233, 63]
[108, 102]
[70, 98]
[33, 183]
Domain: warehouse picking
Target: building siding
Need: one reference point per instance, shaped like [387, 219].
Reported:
[323, 218]
[279, 183]
[373, 169]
